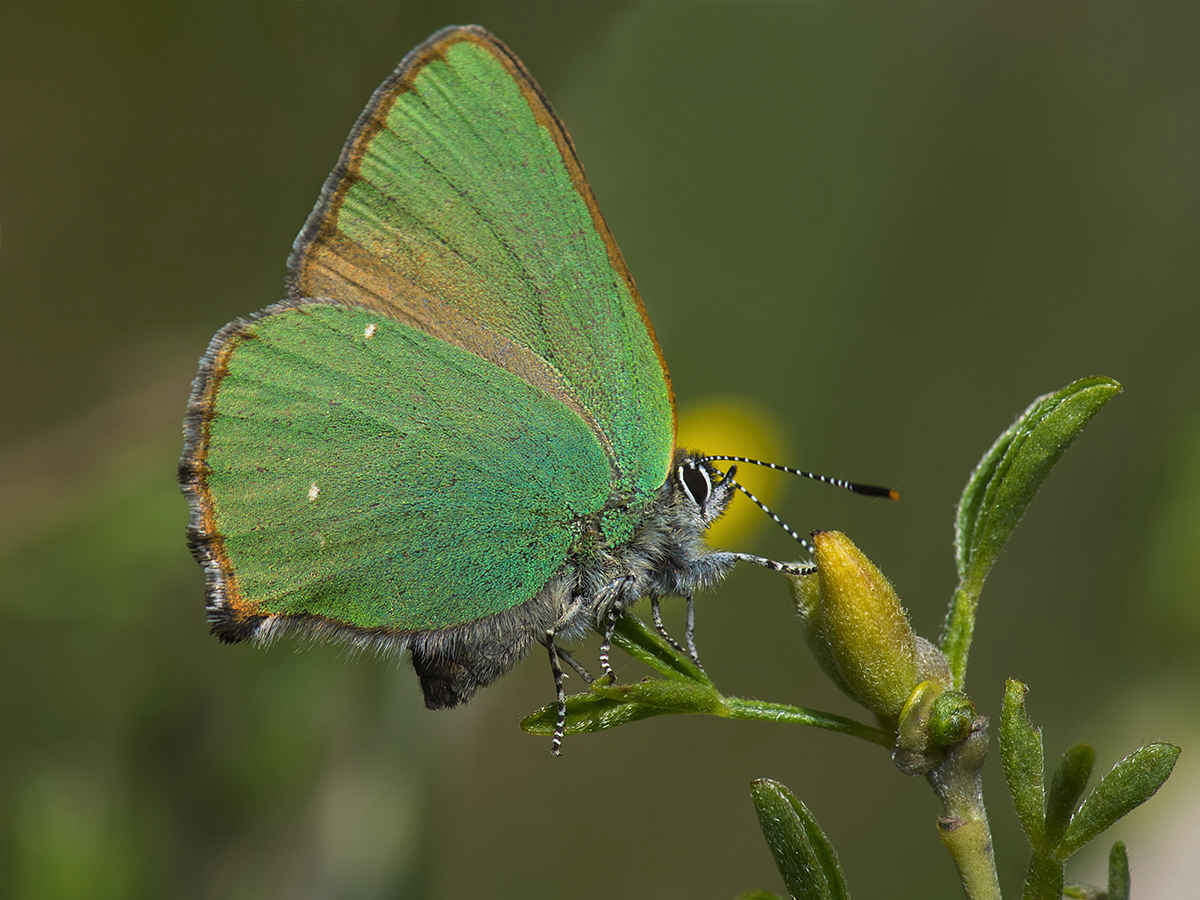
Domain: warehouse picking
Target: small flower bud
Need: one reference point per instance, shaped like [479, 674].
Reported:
[859, 632]
[952, 719]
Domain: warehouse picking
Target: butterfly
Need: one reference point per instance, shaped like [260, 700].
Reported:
[455, 435]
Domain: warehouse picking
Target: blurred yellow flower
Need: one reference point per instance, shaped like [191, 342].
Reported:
[738, 426]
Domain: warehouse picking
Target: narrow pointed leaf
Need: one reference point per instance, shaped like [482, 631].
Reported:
[806, 860]
[668, 694]
[590, 712]
[999, 491]
[607, 706]
[762, 711]
[635, 638]
[1024, 763]
[1132, 782]
[826, 855]
[1011, 472]
[1070, 779]
[1118, 873]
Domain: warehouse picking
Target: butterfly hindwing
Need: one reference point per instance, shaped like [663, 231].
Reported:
[359, 471]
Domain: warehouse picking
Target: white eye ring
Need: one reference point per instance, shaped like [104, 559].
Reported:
[682, 473]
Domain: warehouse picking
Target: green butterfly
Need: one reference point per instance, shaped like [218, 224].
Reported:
[456, 435]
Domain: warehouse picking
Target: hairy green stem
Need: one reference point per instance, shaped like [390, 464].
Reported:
[964, 828]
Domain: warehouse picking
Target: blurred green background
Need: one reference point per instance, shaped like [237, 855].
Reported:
[887, 226]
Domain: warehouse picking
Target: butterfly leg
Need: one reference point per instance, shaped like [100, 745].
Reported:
[574, 664]
[689, 632]
[560, 724]
[656, 613]
[786, 568]
[610, 626]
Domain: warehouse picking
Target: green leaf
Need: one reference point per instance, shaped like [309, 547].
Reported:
[1070, 778]
[999, 491]
[648, 647]
[607, 706]
[1132, 782]
[762, 711]
[634, 637]
[685, 689]
[806, 860]
[667, 694]
[757, 895]
[1118, 873]
[1024, 762]
[1011, 472]
[588, 712]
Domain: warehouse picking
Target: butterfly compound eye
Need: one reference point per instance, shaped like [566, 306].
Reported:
[696, 483]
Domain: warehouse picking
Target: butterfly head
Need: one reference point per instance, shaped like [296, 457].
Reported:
[704, 486]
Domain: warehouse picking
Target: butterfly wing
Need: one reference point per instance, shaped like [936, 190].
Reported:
[459, 206]
[463, 373]
[358, 471]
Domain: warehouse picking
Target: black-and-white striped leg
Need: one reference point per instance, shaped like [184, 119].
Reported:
[689, 632]
[575, 664]
[787, 568]
[656, 614]
[560, 724]
[610, 626]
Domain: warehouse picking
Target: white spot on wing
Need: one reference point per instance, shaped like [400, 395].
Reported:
[313, 492]
[369, 331]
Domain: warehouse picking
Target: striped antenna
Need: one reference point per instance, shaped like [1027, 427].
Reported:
[803, 542]
[867, 490]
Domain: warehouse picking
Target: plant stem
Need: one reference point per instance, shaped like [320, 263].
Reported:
[964, 828]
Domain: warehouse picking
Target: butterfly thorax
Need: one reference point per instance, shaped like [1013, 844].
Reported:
[664, 552]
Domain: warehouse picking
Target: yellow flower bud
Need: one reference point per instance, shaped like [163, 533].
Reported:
[859, 632]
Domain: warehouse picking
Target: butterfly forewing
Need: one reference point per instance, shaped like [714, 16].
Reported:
[459, 207]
